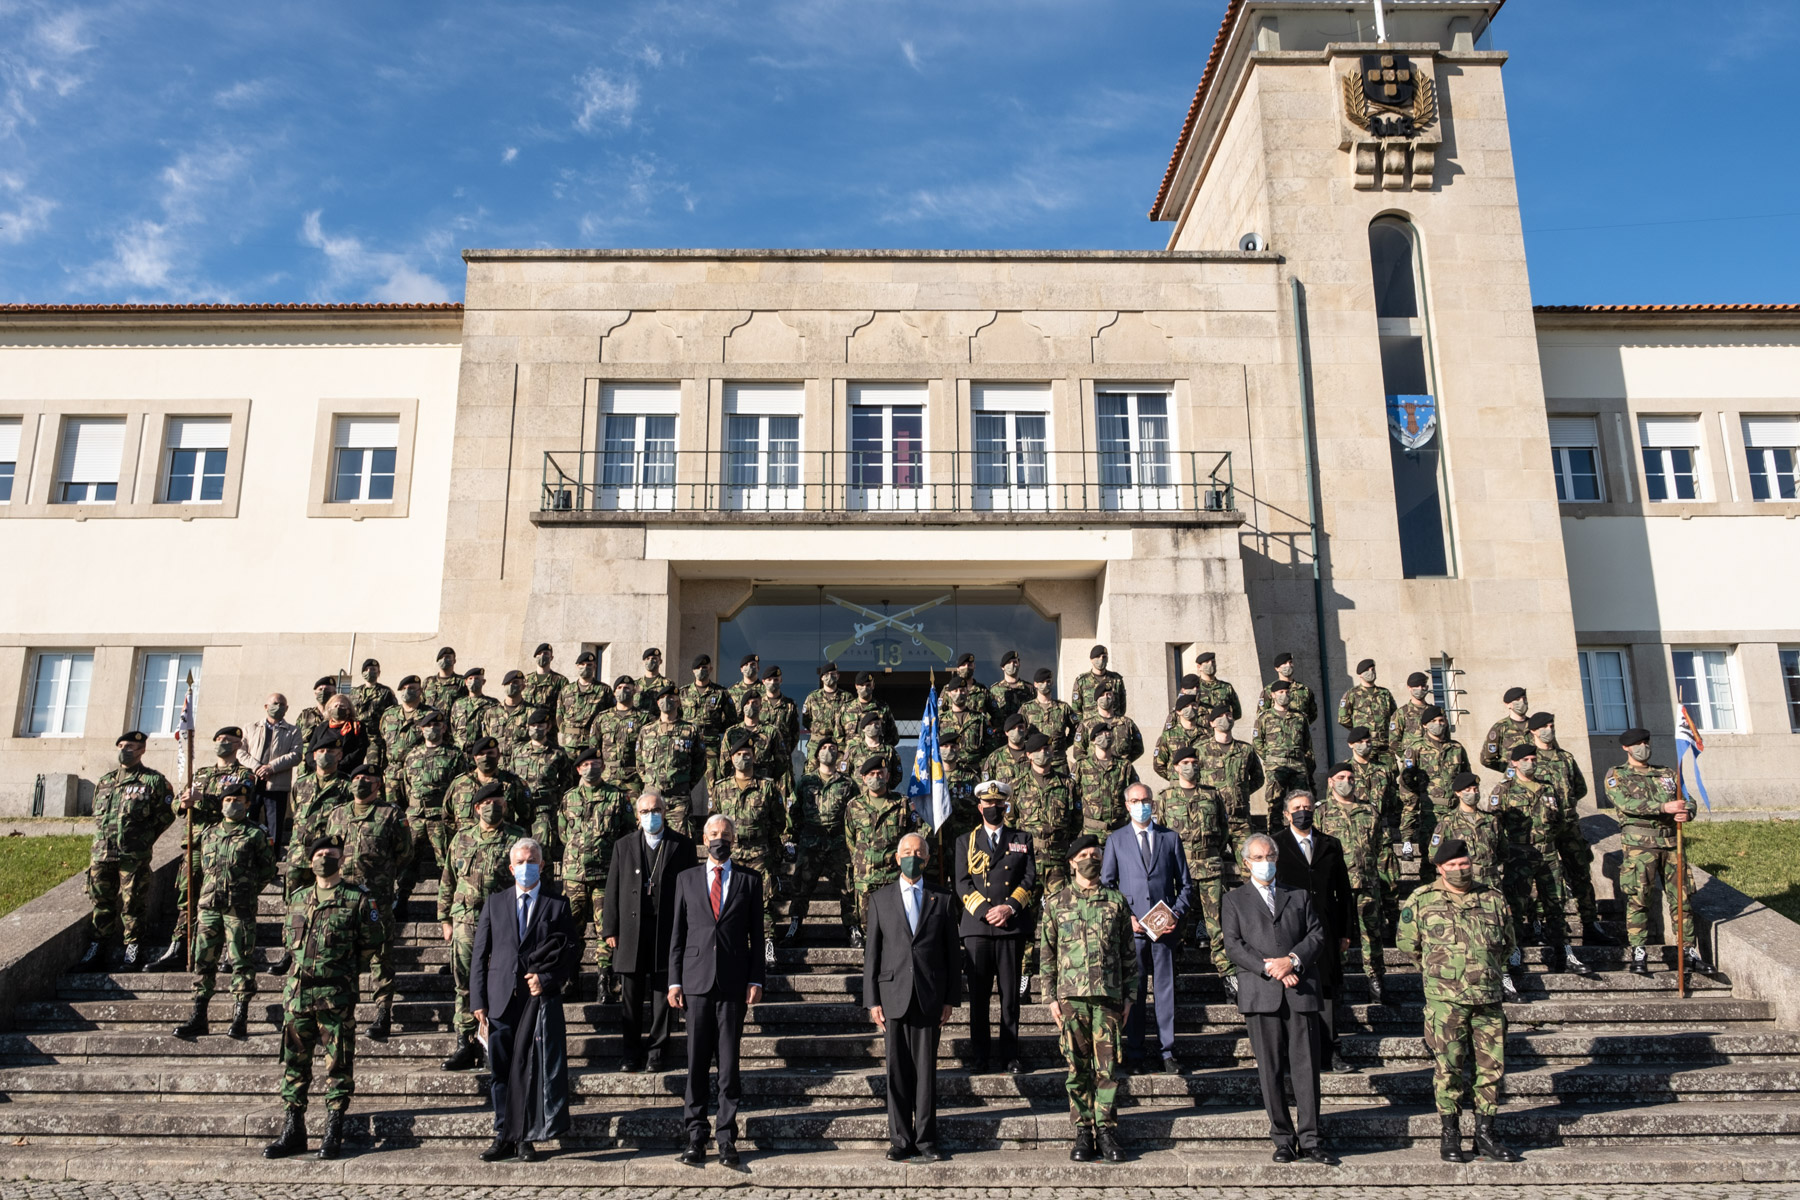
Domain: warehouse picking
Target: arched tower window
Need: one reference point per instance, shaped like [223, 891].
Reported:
[1409, 379]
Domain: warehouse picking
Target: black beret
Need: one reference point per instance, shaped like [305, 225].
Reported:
[1217, 711]
[954, 683]
[586, 656]
[1036, 741]
[1340, 768]
[1359, 733]
[366, 770]
[540, 716]
[322, 842]
[1189, 682]
[1086, 841]
[233, 789]
[652, 652]
[1418, 679]
[1364, 665]
[1186, 700]
[512, 675]
[1043, 675]
[872, 721]
[1205, 656]
[771, 673]
[624, 681]
[369, 662]
[1513, 693]
[829, 739]
[864, 677]
[1540, 720]
[541, 647]
[1280, 685]
[667, 689]
[1449, 849]
[968, 659]
[443, 650]
[329, 681]
[493, 789]
[1432, 713]
[950, 738]
[740, 739]
[429, 716]
[1183, 754]
[700, 660]
[874, 762]
[1013, 722]
[409, 679]
[324, 738]
[1009, 656]
[1097, 651]
[1522, 750]
[228, 731]
[588, 754]
[748, 659]
[1283, 658]
[474, 671]
[1631, 737]
[1105, 689]
[483, 744]
[826, 668]
[1462, 781]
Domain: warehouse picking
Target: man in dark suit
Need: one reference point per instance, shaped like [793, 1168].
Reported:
[636, 920]
[1274, 937]
[715, 974]
[912, 978]
[1313, 862]
[996, 880]
[526, 948]
[1145, 862]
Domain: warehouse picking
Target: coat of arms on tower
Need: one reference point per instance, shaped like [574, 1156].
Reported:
[1391, 122]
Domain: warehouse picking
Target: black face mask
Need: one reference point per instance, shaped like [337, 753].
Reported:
[993, 814]
[362, 789]
[718, 849]
[1301, 818]
[125, 757]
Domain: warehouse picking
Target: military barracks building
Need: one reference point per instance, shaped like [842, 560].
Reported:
[1326, 420]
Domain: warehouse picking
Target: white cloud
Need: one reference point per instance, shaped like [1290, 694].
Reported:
[244, 93]
[143, 257]
[25, 216]
[198, 191]
[1023, 197]
[511, 153]
[601, 100]
[61, 32]
[383, 275]
[911, 54]
[651, 55]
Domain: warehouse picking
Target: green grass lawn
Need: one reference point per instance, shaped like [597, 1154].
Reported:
[31, 866]
[1759, 858]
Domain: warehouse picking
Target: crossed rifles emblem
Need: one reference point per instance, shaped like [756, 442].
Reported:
[897, 622]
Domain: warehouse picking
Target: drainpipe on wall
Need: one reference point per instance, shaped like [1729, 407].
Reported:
[1303, 363]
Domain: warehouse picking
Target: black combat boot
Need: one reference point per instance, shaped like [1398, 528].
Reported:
[240, 1021]
[280, 965]
[1109, 1145]
[1450, 1138]
[1084, 1145]
[196, 1025]
[609, 987]
[91, 956]
[1639, 962]
[333, 1141]
[466, 1056]
[1697, 964]
[133, 955]
[172, 959]
[293, 1136]
[1375, 989]
[383, 1024]
[1487, 1146]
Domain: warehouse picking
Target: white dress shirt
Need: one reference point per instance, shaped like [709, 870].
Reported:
[1305, 842]
[912, 902]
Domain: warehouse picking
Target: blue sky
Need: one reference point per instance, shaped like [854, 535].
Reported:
[332, 151]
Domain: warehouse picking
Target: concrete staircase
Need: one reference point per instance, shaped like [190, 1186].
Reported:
[1618, 1070]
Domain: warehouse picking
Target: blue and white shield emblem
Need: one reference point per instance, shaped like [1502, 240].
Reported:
[1412, 420]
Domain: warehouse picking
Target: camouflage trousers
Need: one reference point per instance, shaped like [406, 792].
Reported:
[1238, 827]
[1424, 824]
[1367, 923]
[587, 900]
[462, 952]
[1645, 873]
[1389, 873]
[548, 832]
[1283, 776]
[431, 842]
[822, 858]
[865, 880]
[1051, 877]
[182, 882]
[1468, 1046]
[379, 962]
[1091, 1036]
[118, 891]
[219, 931]
[764, 861]
[333, 1033]
[1577, 869]
[1209, 891]
[1417, 817]
[678, 812]
[1532, 883]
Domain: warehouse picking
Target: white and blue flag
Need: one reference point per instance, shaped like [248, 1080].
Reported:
[929, 794]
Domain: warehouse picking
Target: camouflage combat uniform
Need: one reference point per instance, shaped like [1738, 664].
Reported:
[1007, 762]
[1378, 786]
[1055, 721]
[1462, 944]
[1197, 815]
[1087, 686]
[1175, 736]
[820, 852]
[1236, 770]
[468, 720]
[1045, 807]
[614, 734]
[1648, 834]
[1283, 742]
[592, 820]
[1359, 826]
[424, 782]
[543, 689]
[477, 865]
[1127, 742]
[759, 811]
[1100, 789]
[547, 774]
[329, 931]
[1005, 698]
[505, 723]
[819, 714]
[209, 782]
[578, 705]
[459, 801]
[1502, 736]
[399, 735]
[873, 826]
[1216, 692]
[1559, 768]
[1531, 876]
[852, 715]
[1090, 968]
[370, 701]
[672, 759]
[1480, 831]
[442, 692]
[1371, 707]
[768, 754]
[307, 723]
[132, 807]
[707, 708]
[976, 734]
[378, 848]
[314, 797]
[781, 714]
[237, 860]
[647, 687]
[1426, 769]
[1300, 700]
[1406, 727]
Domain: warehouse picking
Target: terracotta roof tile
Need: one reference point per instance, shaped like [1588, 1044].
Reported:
[1193, 112]
[1675, 309]
[226, 308]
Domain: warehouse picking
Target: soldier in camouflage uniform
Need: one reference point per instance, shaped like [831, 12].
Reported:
[399, 732]
[378, 847]
[759, 811]
[614, 733]
[820, 852]
[1088, 684]
[819, 714]
[544, 686]
[1426, 768]
[1475, 822]
[1008, 694]
[855, 714]
[237, 861]
[1213, 691]
[652, 682]
[1461, 935]
[1377, 783]
[1127, 741]
[331, 928]
[1196, 811]
[975, 734]
[874, 819]
[370, 698]
[748, 684]
[1353, 820]
[1651, 805]
[1300, 697]
[773, 756]
[1408, 725]
[707, 709]
[1044, 807]
[547, 773]
[309, 722]
[978, 699]
[1007, 761]
[1181, 728]
[205, 798]
[671, 758]
[1559, 768]
[780, 713]
[459, 801]
[1368, 705]
[1050, 716]
[506, 721]
[477, 865]
[1530, 816]
[594, 814]
[1236, 770]
[423, 786]
[314, 797]
[1511, 730]
[443, 689]
[578, 702]
[468, 716]
[1101, 778]
[1090, 974]
[960, 778]
[1283, 743]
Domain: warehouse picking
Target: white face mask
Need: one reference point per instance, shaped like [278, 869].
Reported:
[1140, 813]
[1263, 871]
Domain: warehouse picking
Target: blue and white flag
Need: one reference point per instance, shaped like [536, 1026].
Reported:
[1687, 750]
[929, 794]
[184, 732]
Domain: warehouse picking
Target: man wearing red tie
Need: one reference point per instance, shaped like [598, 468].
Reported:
[716, 974]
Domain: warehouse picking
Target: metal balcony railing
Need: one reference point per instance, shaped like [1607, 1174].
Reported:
[889, 480]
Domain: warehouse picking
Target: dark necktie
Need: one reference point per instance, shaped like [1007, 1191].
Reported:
[718, 891]
[524, 914]
[1144, 848]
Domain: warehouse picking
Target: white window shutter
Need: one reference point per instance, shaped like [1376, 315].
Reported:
[658, 399]
[1011, 397]
[91, 450]
[368, 433]
[9, 439]
[200, 433]
[1574, 431]
[1672, 432]
[765, 399]
[1771, 433]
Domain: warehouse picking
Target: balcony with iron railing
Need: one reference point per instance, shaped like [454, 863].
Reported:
[999, 486]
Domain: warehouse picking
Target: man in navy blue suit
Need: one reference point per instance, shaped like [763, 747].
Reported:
[1145, 862]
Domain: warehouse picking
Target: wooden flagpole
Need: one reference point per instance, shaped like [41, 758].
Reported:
[187, 787]
[1680, 886]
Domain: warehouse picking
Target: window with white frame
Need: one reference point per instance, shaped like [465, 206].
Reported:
[9, 456]
[1703, 687]
[194, 463]
[1137, 461]
[59, 693]
[162, 687]
[1575, 452]
[1605, 690]
[887, 446]
[1671, 448]
[762, 445]
[87, 470]
[1790, 678]
[1771, 446]
[635, 468]
[363, 455]
[1011, 427]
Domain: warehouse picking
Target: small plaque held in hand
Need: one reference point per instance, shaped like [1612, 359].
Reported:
[1159, 921]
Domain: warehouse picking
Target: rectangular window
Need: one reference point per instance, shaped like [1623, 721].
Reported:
[1137, 468]
[195, 467]
[1575, 452]
[762, 446]
[1790, 676]
[1605, 691]
[9, 456]
[59, 693]
[1671, 457]
[1012, 440]
[887, 447]
[363, 466]
[1771, 445]
[88, 468]
[162, 687]
[1703, 685]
